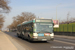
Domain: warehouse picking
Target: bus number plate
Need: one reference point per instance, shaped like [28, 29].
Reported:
[44, 39]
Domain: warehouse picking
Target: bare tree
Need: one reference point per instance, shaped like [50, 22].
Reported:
[28, 16]
[69, 20]
[25, 16]
[73, 19]
[4, 8]
[1, 21]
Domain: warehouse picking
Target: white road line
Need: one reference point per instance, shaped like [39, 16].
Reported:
[66, 39]
[64, 42]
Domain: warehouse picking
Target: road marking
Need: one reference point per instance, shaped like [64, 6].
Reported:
[66, 39]
[64, 42]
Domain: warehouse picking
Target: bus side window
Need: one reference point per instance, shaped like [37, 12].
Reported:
[24, 28]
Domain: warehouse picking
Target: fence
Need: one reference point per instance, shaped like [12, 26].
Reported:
[65, 29]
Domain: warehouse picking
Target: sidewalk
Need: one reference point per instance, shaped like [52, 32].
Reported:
[63, 36]
[5, 43]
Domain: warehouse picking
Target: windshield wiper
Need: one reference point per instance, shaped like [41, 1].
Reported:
[43, 31]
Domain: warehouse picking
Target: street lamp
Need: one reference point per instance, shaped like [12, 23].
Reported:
[56, 10]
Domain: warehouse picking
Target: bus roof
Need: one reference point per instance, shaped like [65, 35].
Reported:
[33, 21]
[25, 23]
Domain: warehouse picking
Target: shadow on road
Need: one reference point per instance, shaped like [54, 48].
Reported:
[13, 34]
[33, 41]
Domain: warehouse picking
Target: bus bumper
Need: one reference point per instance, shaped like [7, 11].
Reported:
[42, 39]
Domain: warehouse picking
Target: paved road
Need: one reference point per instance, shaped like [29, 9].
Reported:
[57, 44]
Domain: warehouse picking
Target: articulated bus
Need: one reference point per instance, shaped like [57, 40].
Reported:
[36, 30]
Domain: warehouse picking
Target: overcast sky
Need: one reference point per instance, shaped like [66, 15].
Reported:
[41, 8]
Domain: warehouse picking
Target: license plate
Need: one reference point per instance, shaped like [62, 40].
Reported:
[44, 39]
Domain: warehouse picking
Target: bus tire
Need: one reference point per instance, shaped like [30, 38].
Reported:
[18, 35]
[29, 38]
[22, 36]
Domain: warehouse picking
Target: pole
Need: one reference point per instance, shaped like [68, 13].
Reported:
[38, 17]
[56, 10]
[56, 13]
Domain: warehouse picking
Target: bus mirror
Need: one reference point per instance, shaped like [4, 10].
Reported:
[53, 24]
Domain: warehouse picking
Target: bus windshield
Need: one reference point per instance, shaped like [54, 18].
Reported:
[43, 27]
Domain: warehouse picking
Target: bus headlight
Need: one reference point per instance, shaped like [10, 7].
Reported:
[35, 37]
[52, 34]
[35, 34]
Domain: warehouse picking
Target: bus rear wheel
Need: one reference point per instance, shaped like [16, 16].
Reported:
[18, 35]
